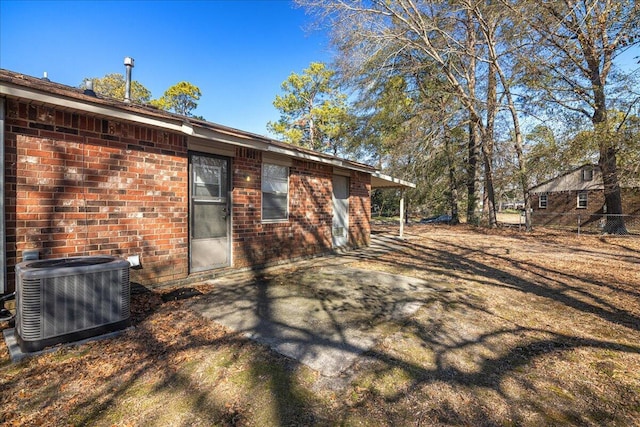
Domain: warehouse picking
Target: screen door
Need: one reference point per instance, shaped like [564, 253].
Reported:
[209, 212]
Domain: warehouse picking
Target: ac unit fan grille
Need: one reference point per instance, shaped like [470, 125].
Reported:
[125, 308]
[81, 302]
[29, 317]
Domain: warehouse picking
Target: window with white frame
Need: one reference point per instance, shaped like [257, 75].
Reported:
[275, 192]
[587, 174]
[582, 200]
[542, 201]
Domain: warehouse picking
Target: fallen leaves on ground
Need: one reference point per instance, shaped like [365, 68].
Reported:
[521, 328]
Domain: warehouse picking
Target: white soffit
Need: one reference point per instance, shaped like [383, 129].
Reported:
[379, 180]
[276, 159]
[211, 147]
[340, 171]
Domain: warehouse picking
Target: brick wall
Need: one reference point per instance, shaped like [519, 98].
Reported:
[308, 230]
[630, 201]
[82, 185]
[360, 209]
[566, 203]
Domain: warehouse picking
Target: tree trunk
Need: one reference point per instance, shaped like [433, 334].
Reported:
[489, 199]
[612, 198]
[607, 161]
[518, 143]
[522, 168]
[472, 175]
[473, 146]
[451, 167]
[487, 145]
[312, 136]
[582, 39]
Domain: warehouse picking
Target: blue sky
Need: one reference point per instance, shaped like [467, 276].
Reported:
[237, 52]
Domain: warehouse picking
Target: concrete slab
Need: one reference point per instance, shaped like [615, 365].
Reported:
[325, 317]
[17, 354]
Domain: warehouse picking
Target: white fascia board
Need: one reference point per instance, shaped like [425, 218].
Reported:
[25, 93]
[213, 135]
[380, 180]
[248, 142]
[307, 156]
[175, 125]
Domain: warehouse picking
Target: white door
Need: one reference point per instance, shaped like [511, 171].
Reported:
[209, 212]
[340, 228]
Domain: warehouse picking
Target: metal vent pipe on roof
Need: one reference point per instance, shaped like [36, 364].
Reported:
[128, 63]
[88, 88]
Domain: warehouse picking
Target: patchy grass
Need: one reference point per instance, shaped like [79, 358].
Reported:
[515, 329]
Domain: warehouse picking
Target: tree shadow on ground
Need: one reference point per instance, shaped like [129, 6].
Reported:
[478, 268]
[499, 353]
[526, 276]
[160, 353]
[468, 364]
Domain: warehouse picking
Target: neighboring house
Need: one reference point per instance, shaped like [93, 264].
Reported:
[577, 192]
[85, 175]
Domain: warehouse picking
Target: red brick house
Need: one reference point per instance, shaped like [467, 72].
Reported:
[85, 175]
[578, 192]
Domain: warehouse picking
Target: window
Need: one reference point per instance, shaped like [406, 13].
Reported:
[207, 180]
[275, 192]
[582, 200]
[587, 174]
[542, 201]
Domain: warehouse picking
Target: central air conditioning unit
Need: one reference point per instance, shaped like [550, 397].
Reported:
[68, 299]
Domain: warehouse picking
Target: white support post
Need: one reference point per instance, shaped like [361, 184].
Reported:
[401, 213]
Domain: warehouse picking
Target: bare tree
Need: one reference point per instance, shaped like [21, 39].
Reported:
[371, 35]
[495, 23]
[570, 63]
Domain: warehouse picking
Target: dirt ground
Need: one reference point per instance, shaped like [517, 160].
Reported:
[515, 329]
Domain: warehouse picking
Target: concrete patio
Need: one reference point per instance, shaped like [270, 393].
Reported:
[320, 312]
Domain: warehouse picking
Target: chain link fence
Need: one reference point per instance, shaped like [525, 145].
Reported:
[588, 223]
[573, 222]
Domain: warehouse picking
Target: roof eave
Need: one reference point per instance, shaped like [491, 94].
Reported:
[380, 180]
[26, 89]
